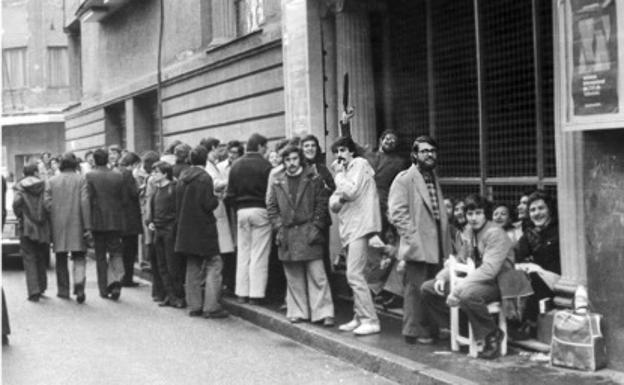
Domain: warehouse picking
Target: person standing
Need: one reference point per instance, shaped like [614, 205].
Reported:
[357, 205]
[106, 197]
[247, 187]
[34, 230]
[226, 243]
[416, 209]
[197, 239]
[297, 207]
[67, 201]
[132, 217]
[161, 219]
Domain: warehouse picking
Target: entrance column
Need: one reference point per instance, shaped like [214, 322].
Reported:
[303, 68]
[354, 56]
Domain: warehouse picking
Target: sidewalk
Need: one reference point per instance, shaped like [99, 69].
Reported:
[388, 355]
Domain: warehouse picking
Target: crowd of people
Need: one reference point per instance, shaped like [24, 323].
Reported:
[209, 217]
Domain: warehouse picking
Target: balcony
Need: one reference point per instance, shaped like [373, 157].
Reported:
[93, 11]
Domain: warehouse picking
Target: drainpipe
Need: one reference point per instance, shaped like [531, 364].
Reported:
[161, 28]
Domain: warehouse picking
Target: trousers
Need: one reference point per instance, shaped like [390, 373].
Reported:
[254, 246]
[34, 255]
[78, 271]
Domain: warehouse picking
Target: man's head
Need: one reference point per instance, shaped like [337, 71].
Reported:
[234, 150]
[130, 159]
[114, 153]
[89, 158]
[212, 147]
[198, 156]
[31, 169]
[478, 211]
[388, 141]
[171, 147]
[162, 170]
[181, 152]
[311, 148]
[100, 157]
[149, 158]
[345, 149]
[68, 162]
[425, 152]
[257, 143]
[292, 158]
[54, 163]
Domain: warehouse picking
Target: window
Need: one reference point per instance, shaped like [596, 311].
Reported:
[14, 68]
[58, 74]
[249, 16]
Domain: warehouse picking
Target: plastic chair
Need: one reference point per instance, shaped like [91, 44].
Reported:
[457, 272]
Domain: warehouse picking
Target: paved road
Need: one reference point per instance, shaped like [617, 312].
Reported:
[133, 341]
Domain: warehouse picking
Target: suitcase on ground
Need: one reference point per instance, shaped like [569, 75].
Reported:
[577, 341]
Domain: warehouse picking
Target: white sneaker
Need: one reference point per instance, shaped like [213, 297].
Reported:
[365, 328]
[349, 326]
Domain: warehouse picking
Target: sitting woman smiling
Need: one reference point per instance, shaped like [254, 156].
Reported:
[537, 251]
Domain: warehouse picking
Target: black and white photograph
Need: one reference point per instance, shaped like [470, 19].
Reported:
[312, 192]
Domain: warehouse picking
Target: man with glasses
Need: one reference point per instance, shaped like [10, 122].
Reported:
[415, 207]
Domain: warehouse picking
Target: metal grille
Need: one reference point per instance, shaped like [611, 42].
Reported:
[548, 99]
[455, 88]
[510, 195]
[409, 68]
[508, 87]
[459, 191]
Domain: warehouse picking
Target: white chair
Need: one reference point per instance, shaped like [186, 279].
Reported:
[457, 272]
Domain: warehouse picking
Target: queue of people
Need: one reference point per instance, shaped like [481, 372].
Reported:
[209, 215]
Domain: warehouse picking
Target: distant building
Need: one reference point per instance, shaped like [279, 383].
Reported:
[35, 81]
[487, 78]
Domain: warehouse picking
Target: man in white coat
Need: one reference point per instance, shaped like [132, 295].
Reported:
[414, 207]
[356, 202]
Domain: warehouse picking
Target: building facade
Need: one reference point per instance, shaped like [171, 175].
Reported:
[482, 76]
[35, 81]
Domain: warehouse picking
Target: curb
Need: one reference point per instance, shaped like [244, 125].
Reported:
[384, 363]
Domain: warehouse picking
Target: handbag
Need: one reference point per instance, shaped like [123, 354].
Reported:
[577, 341]
[515, 287]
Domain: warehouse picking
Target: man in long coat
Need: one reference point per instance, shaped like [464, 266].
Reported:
[197, 239]
[106, 196]
[297, 207]
[415, 206]
[133, 225]
[67, 201]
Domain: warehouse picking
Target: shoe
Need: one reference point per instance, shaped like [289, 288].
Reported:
[491, 349]
[410, 340]
[366, 328]
[349, 326]
[196, 313]
[425, 340]
[241, 300]
[80, 298]
[164, 303]
[34, 297]
[328, 322]
[178, 304]
[295, 320]
[221, 313]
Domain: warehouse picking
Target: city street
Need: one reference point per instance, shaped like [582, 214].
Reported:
[133, 341]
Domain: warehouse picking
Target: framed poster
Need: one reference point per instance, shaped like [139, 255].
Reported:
[592, 45]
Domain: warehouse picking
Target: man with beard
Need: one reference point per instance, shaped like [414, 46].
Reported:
[415, 206]
[297, 207]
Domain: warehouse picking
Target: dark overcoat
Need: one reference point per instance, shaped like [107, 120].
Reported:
[67, 201]
[195, 202]
[106, 195]
[132, 206]
[301, 222]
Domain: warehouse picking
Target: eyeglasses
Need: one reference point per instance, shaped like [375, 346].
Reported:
[430, 151]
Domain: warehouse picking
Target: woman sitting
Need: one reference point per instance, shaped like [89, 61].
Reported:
[502, 217]
[537, 253]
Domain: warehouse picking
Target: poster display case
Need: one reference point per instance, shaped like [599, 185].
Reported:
[591, 41]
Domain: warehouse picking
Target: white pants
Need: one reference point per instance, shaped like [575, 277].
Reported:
[308, 294]
[254, 246]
